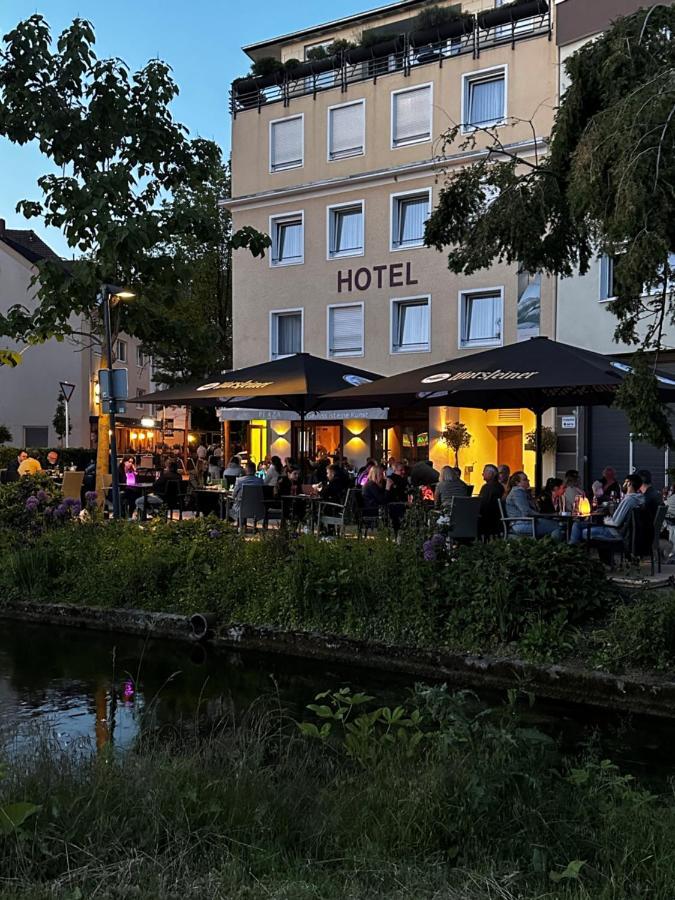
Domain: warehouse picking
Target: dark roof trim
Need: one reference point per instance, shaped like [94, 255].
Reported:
[316, 30]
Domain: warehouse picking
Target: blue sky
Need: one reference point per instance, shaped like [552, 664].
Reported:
[200, 39]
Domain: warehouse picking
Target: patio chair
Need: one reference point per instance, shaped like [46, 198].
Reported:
[507, 520]
[252, 506]
[338, 515]
[174, 498]
[274, 511]
[464, 513]
[72, 485]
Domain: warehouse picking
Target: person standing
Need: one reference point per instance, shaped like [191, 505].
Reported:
[489, 523]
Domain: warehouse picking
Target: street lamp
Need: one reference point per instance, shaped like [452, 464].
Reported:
[67, 390]
[113, 292]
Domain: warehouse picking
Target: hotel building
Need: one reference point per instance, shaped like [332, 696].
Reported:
[340, 159]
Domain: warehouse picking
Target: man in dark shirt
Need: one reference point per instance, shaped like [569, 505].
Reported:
[335, 489]
[652, 497]
[423, 473]
[154, 500]
[490, 495]
[12, 473]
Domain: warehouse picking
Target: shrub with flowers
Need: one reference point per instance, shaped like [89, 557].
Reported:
[28, 504]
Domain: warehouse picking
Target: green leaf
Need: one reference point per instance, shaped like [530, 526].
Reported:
[324, 712]
[571, 873]
[14, 815]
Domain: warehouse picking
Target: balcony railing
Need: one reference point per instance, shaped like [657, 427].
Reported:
[403, 53]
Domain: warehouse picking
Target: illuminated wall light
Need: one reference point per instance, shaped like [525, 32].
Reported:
[134, 435]
[356, 426]
[280, 427]
[191, 439]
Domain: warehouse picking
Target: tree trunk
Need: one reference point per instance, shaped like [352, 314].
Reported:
[103, 442]
[456, 458]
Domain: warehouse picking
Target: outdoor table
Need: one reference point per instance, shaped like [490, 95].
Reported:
[141, 488]
[311, 501]
[224, 496]
[590, 519]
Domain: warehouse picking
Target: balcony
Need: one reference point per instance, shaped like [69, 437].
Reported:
[467, 34]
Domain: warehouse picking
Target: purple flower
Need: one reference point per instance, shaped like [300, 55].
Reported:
[32, 504]
[76, 508]
[438, 541]
[214, 533]
[42, 496]
[68, 501]
[49, 512]
[429, 554]
[90, 498]
[61, 511]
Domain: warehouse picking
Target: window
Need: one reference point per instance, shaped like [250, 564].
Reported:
[481, 315]
[35, 436]
[140, 393]
[409, 212]
[606, 277]
[411, 116]
[287, 240]
[286, 140]
[345, 230]
[345, 330]
[346, 130]
[410, 325]
[286, 332]
[121, 351]
[484, 99]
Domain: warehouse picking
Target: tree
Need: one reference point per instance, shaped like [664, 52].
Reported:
[456, 436]
[119, 151]
[59, 420]
[5, 435]
[606, 186]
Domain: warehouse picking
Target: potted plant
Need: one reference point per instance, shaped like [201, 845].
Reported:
[456, 436]
[549, 440]
[512, 12]
[438, 23]
[374, 45]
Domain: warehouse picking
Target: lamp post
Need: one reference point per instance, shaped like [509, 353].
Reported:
[108, 292]
[67, 390]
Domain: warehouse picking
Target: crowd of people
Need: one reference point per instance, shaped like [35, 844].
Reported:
[25, 464]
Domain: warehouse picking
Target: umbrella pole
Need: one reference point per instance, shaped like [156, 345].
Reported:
[538, 464]
[302, 442]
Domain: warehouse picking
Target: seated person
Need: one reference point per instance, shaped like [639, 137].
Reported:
[611, 489]
[127, 470]
[423, 473]
[397, 484]
[374, 492]
[549, 499]
[53, 461]
[615, 527]
[248, 478]
[449, 486]
[288, 486]
[489, 522]
[12, 472]
[572, 492]
[519, 503]
[233, 469]
[29, 466]
[335, 489]
[652, 497]
[154, 500]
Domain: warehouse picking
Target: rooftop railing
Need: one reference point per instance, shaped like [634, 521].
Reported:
[467, 34]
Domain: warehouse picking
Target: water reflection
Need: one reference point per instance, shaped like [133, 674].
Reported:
[94, 689]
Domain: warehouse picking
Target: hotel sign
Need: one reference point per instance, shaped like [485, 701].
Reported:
[389, 276]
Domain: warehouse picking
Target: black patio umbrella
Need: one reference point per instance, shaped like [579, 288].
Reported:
[294, 383]
[536, 374]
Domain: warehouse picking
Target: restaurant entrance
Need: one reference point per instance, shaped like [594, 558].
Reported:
[405, 435]
[320, 439]
[510, 447]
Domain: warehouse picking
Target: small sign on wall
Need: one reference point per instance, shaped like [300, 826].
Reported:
[569, 422]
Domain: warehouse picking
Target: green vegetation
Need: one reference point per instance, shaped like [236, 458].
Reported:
[469, 804]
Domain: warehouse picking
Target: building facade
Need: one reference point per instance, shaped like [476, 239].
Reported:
[341, 164]
[29, 392]
[601, 436]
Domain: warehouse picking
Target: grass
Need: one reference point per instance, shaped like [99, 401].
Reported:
[481, 808]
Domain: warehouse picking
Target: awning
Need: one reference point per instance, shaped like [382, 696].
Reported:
[236, 414]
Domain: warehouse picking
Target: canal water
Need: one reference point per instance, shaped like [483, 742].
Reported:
[87, 688]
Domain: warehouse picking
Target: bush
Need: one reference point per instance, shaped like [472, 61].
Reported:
[29, 504]
[80, 457]
[640, 633]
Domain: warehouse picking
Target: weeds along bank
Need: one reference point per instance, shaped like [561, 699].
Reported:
[541, 600]
[438, 798]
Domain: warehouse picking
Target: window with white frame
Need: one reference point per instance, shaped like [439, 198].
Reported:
[481, 316]
[484, 99]
[411, 114]
[287, 239]
[346, 130]
[121, 351]
[286, 144]
[345, 330]
[606, 277]
[345, 230]
[409, 213]
[410, 325]
[286, 333]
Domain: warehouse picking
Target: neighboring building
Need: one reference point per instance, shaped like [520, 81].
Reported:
[600, 436]
[29, 393]
[340, 165]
